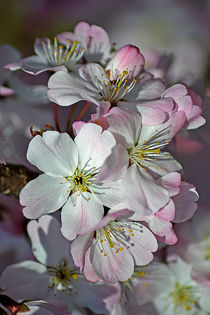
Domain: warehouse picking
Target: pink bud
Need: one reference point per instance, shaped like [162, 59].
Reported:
[126, 59]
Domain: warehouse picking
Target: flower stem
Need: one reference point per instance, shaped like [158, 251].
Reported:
[81, 114]
[71, 112]
[55, 111]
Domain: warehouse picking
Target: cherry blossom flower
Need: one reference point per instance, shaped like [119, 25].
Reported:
[121, 83]
[71, 178]
[147, 162]
[93, 39]
[111, 251]
[172, 289]
[194, 242]
[180, 208]
[145, 143]
[50, 57]
[54, 277]
[109, 84]
[189, 102]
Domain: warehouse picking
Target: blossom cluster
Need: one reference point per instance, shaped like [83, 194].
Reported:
[111, 173]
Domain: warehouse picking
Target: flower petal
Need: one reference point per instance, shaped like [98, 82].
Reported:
[66, 89]
[143, 194]
[58, 148]
[80, 214]
[48, 244]
[98, 145]
[126, 125]
[142, 243]
[44, 194]
[185, 202]
[36, 65]
[109, 265]
[27, 280]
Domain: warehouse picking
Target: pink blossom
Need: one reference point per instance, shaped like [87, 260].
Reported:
[189, 102]
[111, 251]
[93, 39]
[93, 84]
[127, 59]
[194, 242]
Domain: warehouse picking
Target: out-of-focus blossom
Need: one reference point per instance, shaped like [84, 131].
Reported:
[172, 289]
[194, 241]
[94, 39]
[14, 246]
[168, 28]
[50, 57]
[54, 276]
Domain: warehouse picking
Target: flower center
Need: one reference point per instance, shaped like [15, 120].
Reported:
[149, 151]
[82, 180]
[58, 55]
[184, 297]
[115, 90]
[61, 277]
[115, 235]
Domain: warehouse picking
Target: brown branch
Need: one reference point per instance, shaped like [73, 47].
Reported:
[13, 178]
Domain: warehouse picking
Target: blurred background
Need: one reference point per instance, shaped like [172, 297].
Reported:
[178, 26]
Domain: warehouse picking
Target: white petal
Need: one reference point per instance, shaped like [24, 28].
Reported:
[98, 145]
[110, 194]
[125, 124]
[142, 193]
[44, 194]
[143, 243]
[80, 215]
[53, 153]
[48, 244]
[94, 74]
[66, 89]
[27, 280]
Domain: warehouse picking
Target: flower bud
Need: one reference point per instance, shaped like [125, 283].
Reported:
[126, 59]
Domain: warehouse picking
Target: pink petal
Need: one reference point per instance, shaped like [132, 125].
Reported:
[143, 194]
[155, 112]
[171, 182]
[113, 266]
[79, 247]
[185, 202]
[128, 58]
